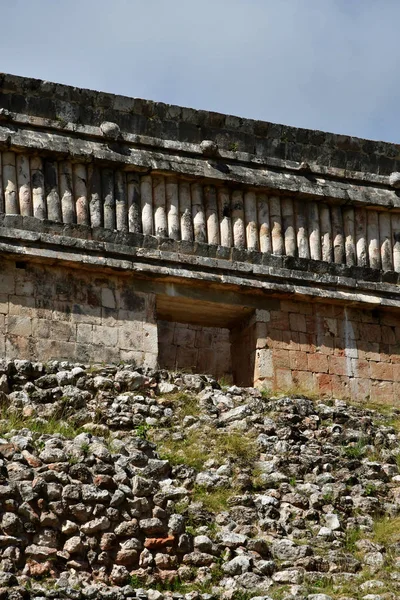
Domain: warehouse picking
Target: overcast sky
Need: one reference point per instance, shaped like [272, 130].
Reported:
[322, 64]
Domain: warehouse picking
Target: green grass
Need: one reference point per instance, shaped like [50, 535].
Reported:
[351, 538]
[191, 451]
[355, 450]
[10, 420]
[198, 446]
[386, 531]
[214, 501]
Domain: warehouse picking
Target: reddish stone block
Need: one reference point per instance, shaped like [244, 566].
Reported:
[281, 359]
[396, 395]
[279, 320]
[158, 543]
[317, 363]
[382, 391]
[291, 340]
[307, 342]
[326, 347]
[396, 372]
[360, 388]
[324, 383]
[298, 322]
[394, 352]
[339, 365]
[298, 361]
[382, 371]
[283, 379]
[360, 368]
[341, 386]
[274, 338]
[304, 381]
[329, 326]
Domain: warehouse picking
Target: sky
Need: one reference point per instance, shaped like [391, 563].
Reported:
[321, 64]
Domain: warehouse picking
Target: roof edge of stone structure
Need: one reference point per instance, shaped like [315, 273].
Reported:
[78, 111]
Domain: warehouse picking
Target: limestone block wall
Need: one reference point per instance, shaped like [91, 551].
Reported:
[49, 313]
[195, 348]
[324, 348]
[189, 210]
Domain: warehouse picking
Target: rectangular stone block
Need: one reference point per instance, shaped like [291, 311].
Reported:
[304, 381]
[340, 365]
[382, 371]
[84, 333]
[3, 304]
[283, 379]
[20, 326]
[279, 320]
[298, 361]
[105, 336]
[317, 363]
[297, 322]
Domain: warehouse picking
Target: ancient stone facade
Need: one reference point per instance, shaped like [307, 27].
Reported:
[137, 231]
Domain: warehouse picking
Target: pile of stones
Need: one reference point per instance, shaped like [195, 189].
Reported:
[117, 482]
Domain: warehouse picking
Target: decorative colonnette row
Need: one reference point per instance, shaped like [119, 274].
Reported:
[182, 210]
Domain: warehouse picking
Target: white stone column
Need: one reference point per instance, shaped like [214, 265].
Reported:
[24, 185]
[349, 236]
[10, 184]
[160, 217]
[53, 200]
[198, 213]
[185, 210]
[374, 254]
[385, 235]
[314, 231]
[210, 198]
[225, 221]
[396, 241]
[360, 215]
[300, 213]
[81, 194]
[338, 235]
[65, 176]
[326, 232]
[239, 237]
[107, 186]
[121, 211]
[276, 225]
[250, 212]
[172, 196]
[263, 223]
[37, 177]
[94, 195]
[288, 226]
[133, 185]
[146, 199]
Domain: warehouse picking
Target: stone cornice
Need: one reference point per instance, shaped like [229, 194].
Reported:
[150, 257]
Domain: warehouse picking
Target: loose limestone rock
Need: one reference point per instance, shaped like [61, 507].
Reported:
[305, 501]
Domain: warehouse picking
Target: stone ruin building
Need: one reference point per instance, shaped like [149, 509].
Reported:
[137, 231]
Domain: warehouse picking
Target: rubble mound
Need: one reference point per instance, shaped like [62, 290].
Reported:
[118, 482]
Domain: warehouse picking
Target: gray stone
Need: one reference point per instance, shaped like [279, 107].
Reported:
[91, 527]
[110, 129]
[237, 566]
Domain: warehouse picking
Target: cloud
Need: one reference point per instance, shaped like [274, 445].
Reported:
[321, 64]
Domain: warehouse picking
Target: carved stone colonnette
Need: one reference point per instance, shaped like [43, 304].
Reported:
[133, 230]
